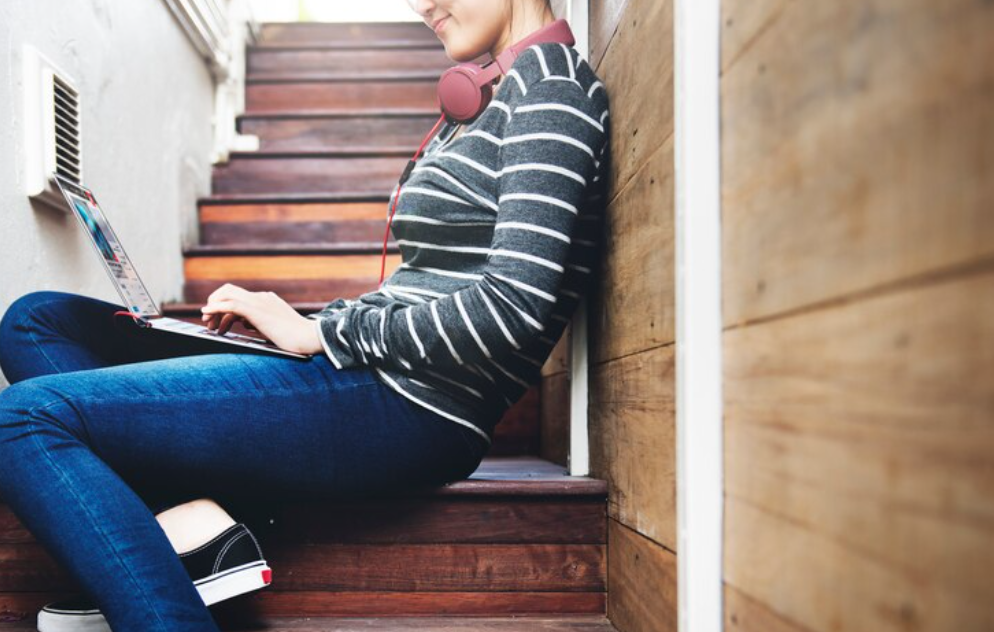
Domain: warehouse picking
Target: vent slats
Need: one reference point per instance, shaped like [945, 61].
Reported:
[68, 160]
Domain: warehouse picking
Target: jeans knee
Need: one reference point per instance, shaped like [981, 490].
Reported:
[30, 403]
[23, 308]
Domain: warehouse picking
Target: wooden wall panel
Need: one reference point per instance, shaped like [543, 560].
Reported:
[633, 417]
[631, 315]
[637, 70]
[858, 247]
[642, 586]
[880, 442]
[633, 308]
[857, 149]
[604, 16]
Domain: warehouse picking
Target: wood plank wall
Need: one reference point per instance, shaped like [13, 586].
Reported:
[631, 319]
[858, 248]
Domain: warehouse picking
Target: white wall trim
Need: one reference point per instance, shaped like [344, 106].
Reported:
[579, 435]
[219, 30]
[698, 316]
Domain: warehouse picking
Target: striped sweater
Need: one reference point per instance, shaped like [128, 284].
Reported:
[498, 232]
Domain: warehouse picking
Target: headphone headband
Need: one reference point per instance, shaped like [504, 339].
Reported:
[465, 90]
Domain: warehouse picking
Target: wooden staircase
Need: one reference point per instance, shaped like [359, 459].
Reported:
[520, 545]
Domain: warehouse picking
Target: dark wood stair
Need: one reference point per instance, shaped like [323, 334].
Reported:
[519, 545]
[518, 538]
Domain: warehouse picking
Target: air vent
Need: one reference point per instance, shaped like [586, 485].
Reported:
[52, 129]
[66, 106]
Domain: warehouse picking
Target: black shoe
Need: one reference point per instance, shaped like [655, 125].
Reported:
[230, 564]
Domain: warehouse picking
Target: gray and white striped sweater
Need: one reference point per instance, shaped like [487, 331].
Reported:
[498, 232]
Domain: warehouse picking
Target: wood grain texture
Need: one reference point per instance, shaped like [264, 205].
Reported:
[859, 456]
[326, 96]
[633, 440]
[555, 414]
[637, 71]
[322, 132]
[604, 16]
[363, 32]
[279, 174]
[559, 359]
[643, 592]
[857, 145]
[742, 613]
[287, 267]
[634, 293]
[295, 61]
[241, 622]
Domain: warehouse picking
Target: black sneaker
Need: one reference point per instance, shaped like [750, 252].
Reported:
[230, 564]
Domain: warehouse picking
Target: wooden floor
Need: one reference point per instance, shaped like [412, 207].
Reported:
[410, 624]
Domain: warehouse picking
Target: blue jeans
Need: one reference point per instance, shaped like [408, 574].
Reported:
[99, 431]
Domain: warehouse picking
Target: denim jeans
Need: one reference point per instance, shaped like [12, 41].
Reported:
[99, 431]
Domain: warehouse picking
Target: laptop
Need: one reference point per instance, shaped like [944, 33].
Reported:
[141, 308]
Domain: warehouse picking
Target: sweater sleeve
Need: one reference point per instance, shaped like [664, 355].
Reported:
[548, 157]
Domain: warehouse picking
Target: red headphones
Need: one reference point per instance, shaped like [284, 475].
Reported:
[465, 90]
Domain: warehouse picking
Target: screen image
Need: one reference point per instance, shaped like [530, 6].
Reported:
[95, 231]
[119, 266]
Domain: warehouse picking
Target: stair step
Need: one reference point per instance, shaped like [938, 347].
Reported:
[290, 61]
[265, 172]
[594, 623]
[327, 197]
[518, 537]
[317, 32]
[262, 250]
[374, 44]
[343, 76]
[334, 96]
[376, 130]
[293, 277]
[264, 223]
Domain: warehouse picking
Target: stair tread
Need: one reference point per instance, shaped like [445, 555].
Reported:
[580, 623]
[215, 250]
[178, 307]
[341, 151]
[293, 198]
[365, 76]
[361, 45]
[353, 113]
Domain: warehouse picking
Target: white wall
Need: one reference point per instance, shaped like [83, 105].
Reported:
[146, 102]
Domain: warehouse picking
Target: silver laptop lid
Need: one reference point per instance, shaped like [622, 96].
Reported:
[129, 285]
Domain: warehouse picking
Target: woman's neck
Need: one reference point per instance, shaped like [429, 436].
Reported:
[531, 20]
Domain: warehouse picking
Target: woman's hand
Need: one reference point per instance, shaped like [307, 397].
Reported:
[264, 312]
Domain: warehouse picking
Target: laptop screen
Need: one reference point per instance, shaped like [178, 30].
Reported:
[84, 206]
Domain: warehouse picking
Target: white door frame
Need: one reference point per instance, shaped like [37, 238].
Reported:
[700, 499]
[577, 14]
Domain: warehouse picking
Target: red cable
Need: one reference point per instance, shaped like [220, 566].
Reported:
[403, 179]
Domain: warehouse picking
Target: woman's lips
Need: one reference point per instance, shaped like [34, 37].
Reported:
[441, 23]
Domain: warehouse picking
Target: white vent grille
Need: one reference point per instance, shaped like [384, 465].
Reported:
[52, 130]
[68, 163]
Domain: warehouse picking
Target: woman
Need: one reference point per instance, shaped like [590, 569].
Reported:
[498, 228]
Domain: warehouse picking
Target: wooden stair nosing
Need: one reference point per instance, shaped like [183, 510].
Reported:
[344, 77]
[292, 198]
[184, 308]
[335, 152]
[348, 46]
[258, 250]
[340, 114]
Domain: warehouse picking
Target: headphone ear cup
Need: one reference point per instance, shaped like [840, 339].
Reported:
[460, 96]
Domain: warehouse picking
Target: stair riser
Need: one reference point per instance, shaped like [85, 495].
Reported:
[317, 33]
[330, 133]
[290, 290]
[308, 175]
[340, 96]
[291, 62]
[230, 233]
